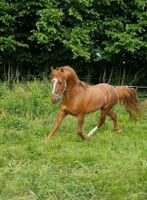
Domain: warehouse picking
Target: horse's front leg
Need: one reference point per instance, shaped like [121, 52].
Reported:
[79, 129]
[57, 123]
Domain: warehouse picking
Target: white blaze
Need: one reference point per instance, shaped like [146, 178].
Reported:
[55, 80]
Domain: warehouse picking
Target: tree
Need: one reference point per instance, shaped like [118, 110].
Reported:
[99, 38]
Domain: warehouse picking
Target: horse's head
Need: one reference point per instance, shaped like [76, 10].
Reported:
[58, 84]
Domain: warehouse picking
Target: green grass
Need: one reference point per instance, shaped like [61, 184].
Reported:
[108, 167]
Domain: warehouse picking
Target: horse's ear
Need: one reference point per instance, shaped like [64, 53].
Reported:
[52, 69]
[61, 69]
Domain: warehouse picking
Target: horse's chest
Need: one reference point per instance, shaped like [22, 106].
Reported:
[72, 109]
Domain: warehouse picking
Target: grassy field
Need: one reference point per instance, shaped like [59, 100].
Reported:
[108, 167]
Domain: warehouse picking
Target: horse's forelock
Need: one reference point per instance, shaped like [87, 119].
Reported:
[56, 72]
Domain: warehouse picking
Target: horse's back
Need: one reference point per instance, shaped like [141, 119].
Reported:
[105, 94]
[108, 91]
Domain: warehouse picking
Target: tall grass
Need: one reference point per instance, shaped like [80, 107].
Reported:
[108, 167]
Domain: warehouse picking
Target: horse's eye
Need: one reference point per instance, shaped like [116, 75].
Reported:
[59, 82]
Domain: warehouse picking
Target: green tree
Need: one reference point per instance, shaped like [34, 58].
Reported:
[104, 39]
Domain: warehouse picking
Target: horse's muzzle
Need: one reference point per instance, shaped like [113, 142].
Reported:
[54, 99]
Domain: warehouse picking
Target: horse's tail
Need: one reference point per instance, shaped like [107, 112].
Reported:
[129, 99]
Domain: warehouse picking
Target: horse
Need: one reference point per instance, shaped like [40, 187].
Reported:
[77, 99]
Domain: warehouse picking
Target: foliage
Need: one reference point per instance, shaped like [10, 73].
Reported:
[109, 166]
[38, 34]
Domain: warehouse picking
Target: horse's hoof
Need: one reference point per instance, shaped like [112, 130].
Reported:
[118, 130]
[87, 137]
[47, 140]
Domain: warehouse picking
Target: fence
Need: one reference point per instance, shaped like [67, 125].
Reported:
[141, 90]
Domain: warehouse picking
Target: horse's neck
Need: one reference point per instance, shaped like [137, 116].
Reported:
[74, 90]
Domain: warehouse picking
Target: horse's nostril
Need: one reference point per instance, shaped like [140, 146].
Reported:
[54, 99]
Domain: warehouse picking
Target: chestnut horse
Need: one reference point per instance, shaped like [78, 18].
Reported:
[77, 99]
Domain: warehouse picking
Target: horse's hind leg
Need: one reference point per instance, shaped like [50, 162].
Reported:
[102, 117]
[113, 116]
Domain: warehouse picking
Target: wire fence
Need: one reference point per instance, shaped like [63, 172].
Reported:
[141, 91]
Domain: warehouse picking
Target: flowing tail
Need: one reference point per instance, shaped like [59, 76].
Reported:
[129, 100]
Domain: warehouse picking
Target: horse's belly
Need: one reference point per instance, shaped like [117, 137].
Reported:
[95, 103]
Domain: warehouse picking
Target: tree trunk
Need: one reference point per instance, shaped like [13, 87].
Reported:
[136, 75]
[123, 76]
[17, 74]
[9, 72]
[110, 76]
[104, 75]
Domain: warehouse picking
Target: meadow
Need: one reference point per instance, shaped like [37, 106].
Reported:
[108, 167]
